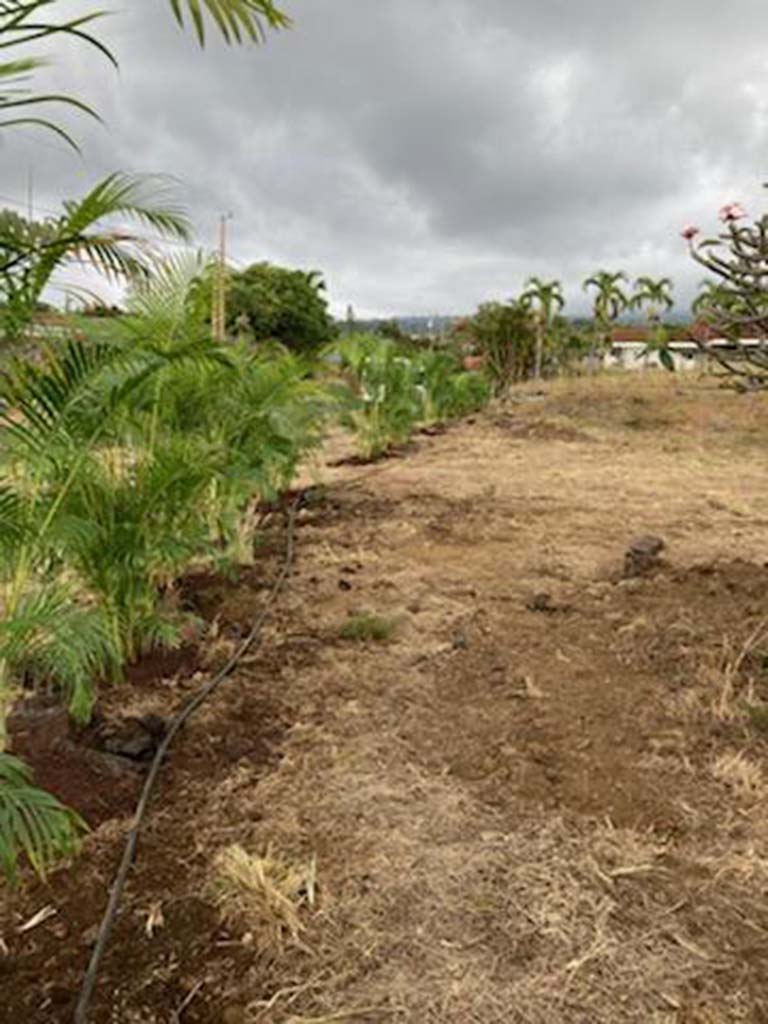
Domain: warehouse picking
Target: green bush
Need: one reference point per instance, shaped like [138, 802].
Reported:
[269, 303]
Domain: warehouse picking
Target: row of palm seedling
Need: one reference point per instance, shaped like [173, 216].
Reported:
[122, 465]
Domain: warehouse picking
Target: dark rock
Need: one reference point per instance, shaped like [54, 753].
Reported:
[460, 642]
[155, 725]
[541, 603]
[134, 738]
[643, 555]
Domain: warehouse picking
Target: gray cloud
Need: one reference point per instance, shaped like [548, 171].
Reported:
[429, 156]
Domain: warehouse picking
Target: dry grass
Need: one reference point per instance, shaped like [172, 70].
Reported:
[266, 893]
[744, 776]
[463, 920]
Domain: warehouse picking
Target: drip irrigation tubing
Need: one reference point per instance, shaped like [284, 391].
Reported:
[129, 852]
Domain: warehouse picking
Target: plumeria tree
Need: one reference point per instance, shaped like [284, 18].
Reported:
[734, 303]
[609, 301]
[545, 300]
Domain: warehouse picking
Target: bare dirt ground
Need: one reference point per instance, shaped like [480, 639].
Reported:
[544, 798]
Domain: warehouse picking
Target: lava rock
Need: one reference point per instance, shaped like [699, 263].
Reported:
[643, 555]
[134, 738]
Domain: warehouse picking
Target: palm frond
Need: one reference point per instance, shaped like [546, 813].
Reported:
[40, 398]
[33, 824]
[236, 20]
[20, 27]
[51, 637]
[13, 525]
[161, 306]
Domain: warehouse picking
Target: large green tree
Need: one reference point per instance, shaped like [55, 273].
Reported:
[280, 304]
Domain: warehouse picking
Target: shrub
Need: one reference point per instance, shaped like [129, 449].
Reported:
[505, 334]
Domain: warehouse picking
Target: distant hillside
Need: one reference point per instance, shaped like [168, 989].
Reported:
[413, 325]
[419, 326]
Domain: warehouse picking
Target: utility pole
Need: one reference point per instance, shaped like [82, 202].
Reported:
[219, 303]
[30, 192]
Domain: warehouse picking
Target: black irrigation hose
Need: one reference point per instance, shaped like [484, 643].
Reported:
[89, 980]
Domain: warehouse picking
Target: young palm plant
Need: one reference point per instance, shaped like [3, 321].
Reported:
[48, 631]
[252, 414]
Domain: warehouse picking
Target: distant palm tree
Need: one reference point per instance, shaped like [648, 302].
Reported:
[653, 294]
[608, 303]
[545, 299]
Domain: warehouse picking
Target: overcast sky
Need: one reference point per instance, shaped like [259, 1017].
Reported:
[428, 155]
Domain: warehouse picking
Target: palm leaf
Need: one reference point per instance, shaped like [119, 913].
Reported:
[54, 639]
[19, 28]
[236, 19]
[33, 824]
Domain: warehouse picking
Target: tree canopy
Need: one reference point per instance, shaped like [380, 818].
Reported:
[278, 303]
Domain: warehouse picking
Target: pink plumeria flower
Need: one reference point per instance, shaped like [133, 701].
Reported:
[689, 232]
[731, 212]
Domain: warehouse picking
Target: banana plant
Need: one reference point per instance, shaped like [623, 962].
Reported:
[388, 391]
[448, 392]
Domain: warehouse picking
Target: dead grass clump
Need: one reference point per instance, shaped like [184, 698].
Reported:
[740, 774]
[736, 679]
[266, 893]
